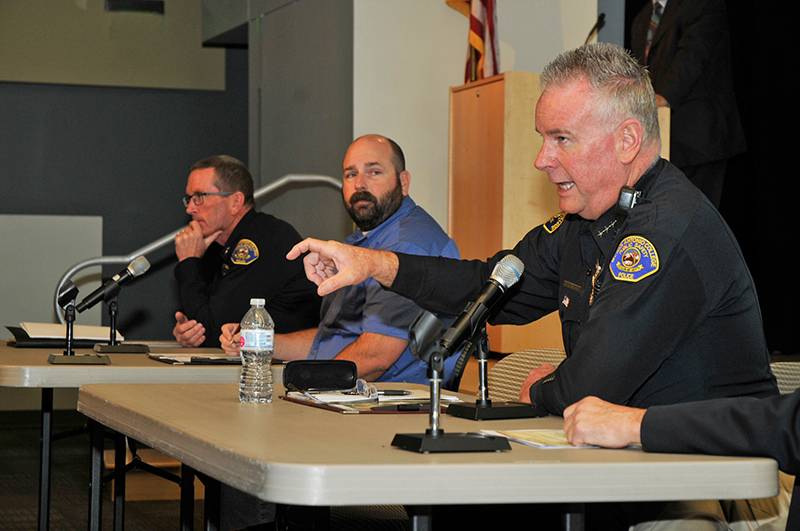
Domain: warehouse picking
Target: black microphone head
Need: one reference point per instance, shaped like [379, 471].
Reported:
[138, 266]
[67, 294]
[508, 271]
[423, 334]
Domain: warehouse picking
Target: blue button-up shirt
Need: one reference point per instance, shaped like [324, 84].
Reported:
[368, 307]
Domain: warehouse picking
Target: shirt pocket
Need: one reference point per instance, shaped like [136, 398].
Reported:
[573, 310]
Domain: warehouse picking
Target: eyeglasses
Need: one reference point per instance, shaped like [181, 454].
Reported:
[365, 389]
[198, 197]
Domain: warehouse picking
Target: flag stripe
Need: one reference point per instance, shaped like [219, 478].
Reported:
[482, 51]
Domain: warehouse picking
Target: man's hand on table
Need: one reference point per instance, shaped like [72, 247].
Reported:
[230, 339]
[595, 421]
[188, 332]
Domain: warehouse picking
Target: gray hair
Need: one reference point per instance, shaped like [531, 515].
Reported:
[615, 74]
[231, 175]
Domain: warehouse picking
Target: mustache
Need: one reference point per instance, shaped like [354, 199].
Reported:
[362, 196]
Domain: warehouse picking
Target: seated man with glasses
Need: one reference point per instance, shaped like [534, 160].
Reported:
[230, 253]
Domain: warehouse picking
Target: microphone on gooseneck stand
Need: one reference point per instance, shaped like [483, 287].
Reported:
[106, 292]
[505, 274]
[465, 330]
[601, 21]
[110, 288]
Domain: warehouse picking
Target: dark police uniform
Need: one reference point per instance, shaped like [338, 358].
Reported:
[657, 306]
[217, 288]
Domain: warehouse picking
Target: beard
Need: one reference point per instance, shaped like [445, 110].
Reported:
[376, 211]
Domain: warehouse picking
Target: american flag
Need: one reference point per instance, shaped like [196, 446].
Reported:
[483, 53]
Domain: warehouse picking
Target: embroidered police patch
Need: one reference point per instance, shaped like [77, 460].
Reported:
[636, 258]
[553, 223]
[245, 253]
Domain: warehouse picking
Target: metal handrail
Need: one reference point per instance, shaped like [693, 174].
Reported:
[169, 238]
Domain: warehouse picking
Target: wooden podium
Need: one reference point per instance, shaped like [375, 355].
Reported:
[496, 195]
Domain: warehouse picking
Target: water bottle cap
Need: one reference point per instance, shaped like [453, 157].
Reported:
[257, 302]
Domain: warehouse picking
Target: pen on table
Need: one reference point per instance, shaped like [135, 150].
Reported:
[393, 392]
[342, 407]
[401, 407]
[197, 360]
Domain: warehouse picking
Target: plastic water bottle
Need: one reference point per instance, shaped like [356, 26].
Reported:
[257, 339]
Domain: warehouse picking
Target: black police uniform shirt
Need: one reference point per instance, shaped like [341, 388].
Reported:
[216, 288]
[657, 307]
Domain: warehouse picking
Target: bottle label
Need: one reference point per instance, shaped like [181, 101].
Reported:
[257, 340]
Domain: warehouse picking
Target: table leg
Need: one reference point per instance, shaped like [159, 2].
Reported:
[45, 441]
[119, 481]
[419, 517]
[302, 518]
[211, 503]
[96, 482]
[574, 517]
[187, 498]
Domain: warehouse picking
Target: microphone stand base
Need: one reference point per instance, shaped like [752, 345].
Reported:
[78, 359]
[493, 411]
[450, 442]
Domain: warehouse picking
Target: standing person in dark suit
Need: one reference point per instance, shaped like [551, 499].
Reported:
[686, 46]
[767, 427]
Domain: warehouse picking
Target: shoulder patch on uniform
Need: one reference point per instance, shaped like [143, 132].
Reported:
[636, 258]
[245, 252]
[554, 223]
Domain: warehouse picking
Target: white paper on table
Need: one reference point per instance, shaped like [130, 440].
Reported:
[58, 331]
[342, 397]
[537, 438]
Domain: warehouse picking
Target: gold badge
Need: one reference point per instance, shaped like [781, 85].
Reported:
[245, 253]
[554, 223]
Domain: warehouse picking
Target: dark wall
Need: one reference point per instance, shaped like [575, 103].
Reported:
[759, 197]
[123, 154]
[756, 192]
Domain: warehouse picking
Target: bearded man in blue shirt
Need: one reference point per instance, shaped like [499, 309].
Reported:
[365, 323]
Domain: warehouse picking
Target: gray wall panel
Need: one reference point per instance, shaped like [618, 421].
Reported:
[36, 249]
[614, 28]
[302, 54]
[121, 154]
